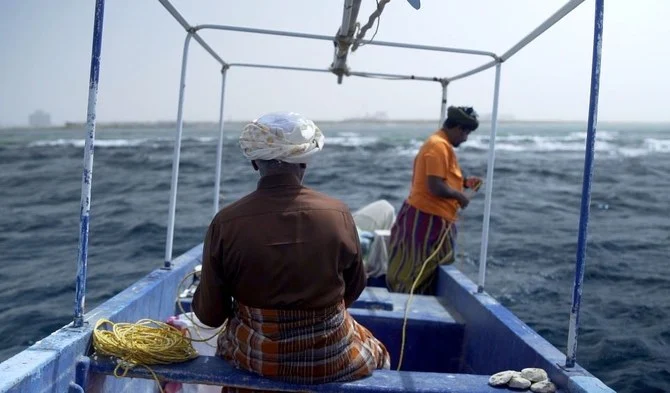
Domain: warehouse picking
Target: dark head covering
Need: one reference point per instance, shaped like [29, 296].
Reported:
[464, 116]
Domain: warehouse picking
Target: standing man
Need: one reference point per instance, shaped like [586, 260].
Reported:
[424, 232]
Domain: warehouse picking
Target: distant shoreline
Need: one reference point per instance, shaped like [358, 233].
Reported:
[205, 124]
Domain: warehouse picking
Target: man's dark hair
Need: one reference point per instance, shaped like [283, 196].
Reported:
[268, 167]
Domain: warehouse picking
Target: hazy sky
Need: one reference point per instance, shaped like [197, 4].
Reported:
[45, 57]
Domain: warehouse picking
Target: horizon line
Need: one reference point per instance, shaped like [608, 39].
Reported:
[107, 124]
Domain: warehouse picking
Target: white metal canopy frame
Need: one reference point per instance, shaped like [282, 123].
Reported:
[344, 41]
[340, 68]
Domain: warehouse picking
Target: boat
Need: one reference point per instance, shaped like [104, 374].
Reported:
[451, 342]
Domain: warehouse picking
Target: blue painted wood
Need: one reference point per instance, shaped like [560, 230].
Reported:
[583, 384]
[212, 370]
[377, 281]
[82, 371]
[495, 339]
[49, 365]
[375, 298]
[434, 338]
[430, 346]
[580, 263]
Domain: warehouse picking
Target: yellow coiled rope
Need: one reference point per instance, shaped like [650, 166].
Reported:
[145, 342]
[142, 343]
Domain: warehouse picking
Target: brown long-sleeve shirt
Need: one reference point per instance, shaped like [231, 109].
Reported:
[284, 246]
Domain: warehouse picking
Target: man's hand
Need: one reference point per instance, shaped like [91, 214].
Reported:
[463, 200]
[438, 187]
[473, 183]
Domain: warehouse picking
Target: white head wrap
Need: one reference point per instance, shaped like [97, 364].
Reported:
[283, 136]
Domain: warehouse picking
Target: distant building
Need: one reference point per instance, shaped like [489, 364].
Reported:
[39, 118]
[375, 117]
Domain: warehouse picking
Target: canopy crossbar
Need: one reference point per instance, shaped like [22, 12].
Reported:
[350, 73]
[496, 59]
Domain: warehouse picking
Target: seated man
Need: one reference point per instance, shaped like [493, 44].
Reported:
[376, 216]
[281, 266]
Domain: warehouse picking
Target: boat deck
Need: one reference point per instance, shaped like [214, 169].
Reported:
[211, 370]
[432, 360]
[434, 335]
[450, 347]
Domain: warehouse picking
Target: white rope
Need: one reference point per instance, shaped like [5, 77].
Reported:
[376, 15]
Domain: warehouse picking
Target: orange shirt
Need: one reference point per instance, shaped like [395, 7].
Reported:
[436, 158]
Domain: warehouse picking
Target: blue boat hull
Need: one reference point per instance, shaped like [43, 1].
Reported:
[455, 340]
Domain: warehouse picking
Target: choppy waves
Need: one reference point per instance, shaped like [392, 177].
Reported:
[607, 143]
[535, 213]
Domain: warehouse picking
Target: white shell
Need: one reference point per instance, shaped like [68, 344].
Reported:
[519, 383]
[501, 378]
[543, 387]
[534, 374]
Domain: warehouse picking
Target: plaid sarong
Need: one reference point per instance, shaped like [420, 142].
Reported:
[415, 235]
[300, 346]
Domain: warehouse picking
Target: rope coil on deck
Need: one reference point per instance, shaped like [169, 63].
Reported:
[146, 342]
[141, 343]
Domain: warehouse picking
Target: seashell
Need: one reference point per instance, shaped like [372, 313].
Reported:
[534, 374]
[519, 383]
[501, 378]
[543, 387]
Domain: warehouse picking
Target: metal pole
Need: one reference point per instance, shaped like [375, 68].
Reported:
[443, 105]
[87, 176]
[344, 37]
[179, 18]
[489, 184]
[475, 70]
[351, 73]
[347, 13]
[331, 38]
[394, 76]
[586, 185]
[549, 22]
[176, 156]
[219, 147]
